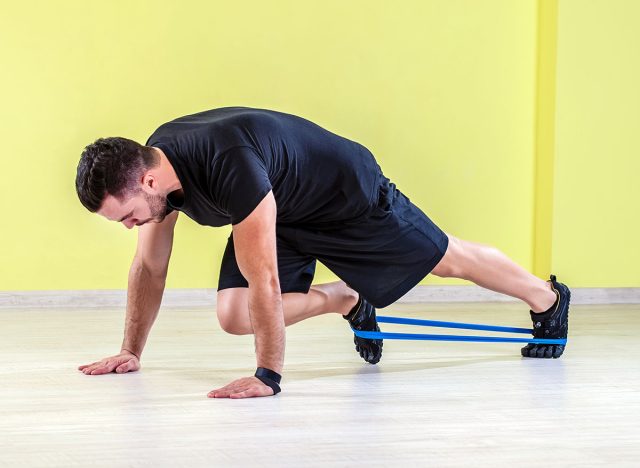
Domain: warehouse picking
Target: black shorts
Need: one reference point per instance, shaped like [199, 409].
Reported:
[382, 255]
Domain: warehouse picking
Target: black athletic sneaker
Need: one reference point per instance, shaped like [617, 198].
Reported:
[553, 323]
[363, 317]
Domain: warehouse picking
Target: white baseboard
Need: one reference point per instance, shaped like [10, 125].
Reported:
[113, 298]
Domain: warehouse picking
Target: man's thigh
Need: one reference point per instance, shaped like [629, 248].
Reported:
[295, 269]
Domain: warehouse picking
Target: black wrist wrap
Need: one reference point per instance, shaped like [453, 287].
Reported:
[269, 378]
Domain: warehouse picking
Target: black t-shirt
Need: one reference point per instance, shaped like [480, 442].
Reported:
[228, 159]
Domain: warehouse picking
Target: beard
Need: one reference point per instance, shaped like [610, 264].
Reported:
[157, 206]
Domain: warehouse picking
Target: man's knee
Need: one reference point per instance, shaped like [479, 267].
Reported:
[232, 310]
[452, 264]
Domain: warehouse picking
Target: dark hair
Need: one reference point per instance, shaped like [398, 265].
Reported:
[111, 166]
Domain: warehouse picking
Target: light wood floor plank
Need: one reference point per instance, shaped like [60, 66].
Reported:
[425, 404]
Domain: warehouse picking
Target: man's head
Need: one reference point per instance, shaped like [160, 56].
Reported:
[119, 179]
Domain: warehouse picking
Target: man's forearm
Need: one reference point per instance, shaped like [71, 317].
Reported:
[144, 295]
[267, 319]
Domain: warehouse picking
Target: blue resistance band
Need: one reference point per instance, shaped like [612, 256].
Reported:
[375, 335]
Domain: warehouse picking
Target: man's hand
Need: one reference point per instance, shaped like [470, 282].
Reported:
[247, 387]
[120, 363]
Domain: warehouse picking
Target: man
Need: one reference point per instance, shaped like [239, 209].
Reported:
[294, 193]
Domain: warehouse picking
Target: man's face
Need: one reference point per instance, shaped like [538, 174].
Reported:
[135, 210]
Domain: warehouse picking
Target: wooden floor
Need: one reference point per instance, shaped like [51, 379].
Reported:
[425, 404]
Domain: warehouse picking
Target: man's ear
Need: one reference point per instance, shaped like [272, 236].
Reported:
[149, 181]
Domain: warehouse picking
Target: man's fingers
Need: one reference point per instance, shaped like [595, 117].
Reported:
[100, 370]
[87, 365]
[248, 393]
[253, 392]
[241, 392]
[123, 362]
[217, 390]
[126, 367]
[242, 388]
[87, 370]
[220, 393]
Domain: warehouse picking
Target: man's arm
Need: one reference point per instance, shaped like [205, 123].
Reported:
[146, 284]
[147, 278]
[254, 240]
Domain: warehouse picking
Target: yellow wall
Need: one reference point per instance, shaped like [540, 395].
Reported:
[596, 222]
[443, 93]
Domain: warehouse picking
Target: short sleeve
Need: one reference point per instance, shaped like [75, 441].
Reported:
[240, 182]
